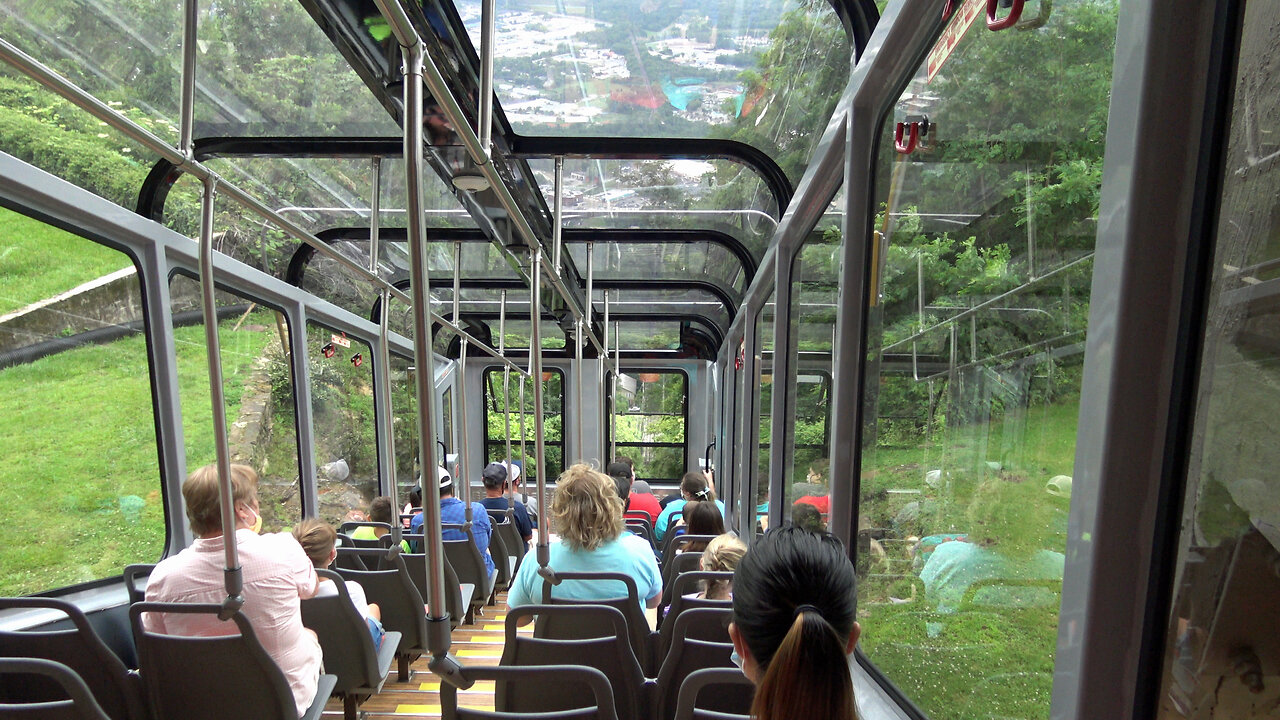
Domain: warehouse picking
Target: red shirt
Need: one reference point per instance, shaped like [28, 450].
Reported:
[646, 503]
[822, 503]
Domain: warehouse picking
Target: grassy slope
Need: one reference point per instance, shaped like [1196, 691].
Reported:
[974, 663]
[80, 482]
[38, 261]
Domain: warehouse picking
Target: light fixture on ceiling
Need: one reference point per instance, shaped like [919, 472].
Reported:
[470, 181]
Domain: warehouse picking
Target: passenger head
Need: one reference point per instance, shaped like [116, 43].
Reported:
[204, 507]
[818, 470]
[380, 510]
[793, 610]
[694, 486]
[415, 497]
[317, 539]
[622, 486]
[807, 517]
[585, 510]
[445, 481]
[702, 518]
[631, 465]
[722, 555]
[495, 477]
[641, 487]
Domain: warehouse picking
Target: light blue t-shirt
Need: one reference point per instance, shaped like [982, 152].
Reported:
[674, 508]
[628, 554]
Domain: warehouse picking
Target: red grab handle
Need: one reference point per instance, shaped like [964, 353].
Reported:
[948, 9]
[912, 131]
[1015, 13]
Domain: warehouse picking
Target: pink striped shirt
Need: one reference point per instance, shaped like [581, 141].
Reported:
[277, 576]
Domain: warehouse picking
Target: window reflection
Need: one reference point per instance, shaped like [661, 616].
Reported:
[1223, 653]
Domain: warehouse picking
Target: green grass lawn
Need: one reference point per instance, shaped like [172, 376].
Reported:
[38, 261]
[974, 663]
[80, 485]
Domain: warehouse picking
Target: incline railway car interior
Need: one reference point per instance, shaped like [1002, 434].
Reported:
[982, 287]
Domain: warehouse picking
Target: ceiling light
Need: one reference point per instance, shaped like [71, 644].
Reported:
[471, 182]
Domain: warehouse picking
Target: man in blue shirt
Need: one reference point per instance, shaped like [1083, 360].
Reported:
[453, 511]
[495, 484]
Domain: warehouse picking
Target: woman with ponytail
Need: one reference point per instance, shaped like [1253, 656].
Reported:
[694, 487]
[793, 628]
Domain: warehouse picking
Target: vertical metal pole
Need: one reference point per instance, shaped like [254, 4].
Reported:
[457, 283]
[438, 640]
[617, 368]
[535, 371]
[604, 361]
[557, 228]
[506, 390]
[384, 399]
[579, 419]
[190, 28]
[375, 210]
[587, 329]
[487, 18]
[524, 457]
[232, 578]
[464, 458]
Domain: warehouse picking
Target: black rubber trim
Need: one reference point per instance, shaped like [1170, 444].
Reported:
[570, 235]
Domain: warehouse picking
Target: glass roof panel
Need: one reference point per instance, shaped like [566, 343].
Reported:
[674, 302]
[675, 261]
[262, 69]
[664, 194]
[698, 69]
[319, 193]
[266, 68]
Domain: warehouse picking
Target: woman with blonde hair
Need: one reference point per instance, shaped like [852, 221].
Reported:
[586, 514]
[722, 555]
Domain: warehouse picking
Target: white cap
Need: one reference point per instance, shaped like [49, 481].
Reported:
[443, 477]
[513, 470]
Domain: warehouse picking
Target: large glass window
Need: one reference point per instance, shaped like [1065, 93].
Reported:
[650, 419]
[495, 428]
[346, 448]
[80, 492]
[404, 423]
[985, 238]
[763, 394]
[1224, 627]
[257, 383]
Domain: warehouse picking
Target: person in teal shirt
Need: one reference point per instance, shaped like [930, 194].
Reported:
[587, 515]
[693, 486]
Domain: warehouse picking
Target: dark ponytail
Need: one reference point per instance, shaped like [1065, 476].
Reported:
[695, 483]
[793, 604]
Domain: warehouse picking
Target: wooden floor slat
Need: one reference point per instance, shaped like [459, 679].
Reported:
[477, 644]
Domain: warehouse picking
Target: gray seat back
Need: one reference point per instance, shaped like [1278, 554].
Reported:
[344, 637]
[416, 562]
[118, 691]
[393, 590]
[703, 688]
[681, 563]
[208, 678]
[79, 705]
[628, 605]
[468, 563]
[567, 679]
[605, 648]
[685, 585]
[689, 653]
[133, 584]
[672, 545]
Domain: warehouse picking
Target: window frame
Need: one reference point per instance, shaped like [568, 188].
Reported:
[684, 415]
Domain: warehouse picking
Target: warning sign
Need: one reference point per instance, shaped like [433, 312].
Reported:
[342, 340]
[960, 22]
